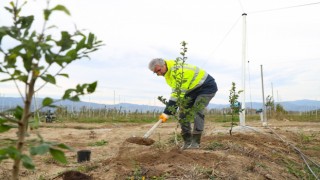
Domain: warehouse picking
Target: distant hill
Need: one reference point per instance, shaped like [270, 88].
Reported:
[298, 105]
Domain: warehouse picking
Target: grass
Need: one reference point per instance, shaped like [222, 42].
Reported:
[139, 117]
[214, 146]
[139, 174]
[99, 143]
[87, 168]
[293, 168]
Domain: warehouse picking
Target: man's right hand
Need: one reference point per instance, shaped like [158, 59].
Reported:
[164, 117]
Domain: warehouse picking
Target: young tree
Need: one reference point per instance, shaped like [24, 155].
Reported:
[234, 104]
[280, 112]
[181, 100]
[270, 105]
[30, 64]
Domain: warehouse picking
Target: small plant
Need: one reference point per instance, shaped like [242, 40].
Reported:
[99, 143]
[270, 105]
[234, 104]
[137, 174]
[174, 139]
[87, 168]
[214, 146]
[305, 138]
[294, 168]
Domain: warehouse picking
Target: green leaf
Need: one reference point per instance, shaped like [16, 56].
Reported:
[92, 87]
[36, 122]
[67, 93]
[58, 155]
[18, 112]
[47, 101]
[3, 32]
[61, 8]
[90, 41]
[72, 54]
[63, 146]
[25, 21]
[4, 128]
[65, 75]
[27, 162]
[66, 42]
[81, 44]
[13, 152]
[74, 98]
[3, 154]
[23, 78]
[49, 78]
[2, 120]
[46, 14]
[41, 149]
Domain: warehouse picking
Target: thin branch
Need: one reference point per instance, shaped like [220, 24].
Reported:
[9, 118]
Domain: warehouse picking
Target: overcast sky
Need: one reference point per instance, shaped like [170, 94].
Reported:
[282, 35]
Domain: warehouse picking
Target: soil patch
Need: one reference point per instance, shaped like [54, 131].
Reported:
[74, 175]
[140, 141]
[258, 154]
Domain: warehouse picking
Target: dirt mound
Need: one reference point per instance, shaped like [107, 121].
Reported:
[140, 141]
[74, 175]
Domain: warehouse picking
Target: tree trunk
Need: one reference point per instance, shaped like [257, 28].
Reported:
[22, 130]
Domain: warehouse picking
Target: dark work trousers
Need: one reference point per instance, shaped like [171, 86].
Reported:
[185, 118]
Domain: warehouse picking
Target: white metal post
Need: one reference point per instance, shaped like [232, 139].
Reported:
[242, 114]
[264, 110]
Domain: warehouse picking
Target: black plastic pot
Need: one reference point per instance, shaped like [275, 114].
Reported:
[83, 155]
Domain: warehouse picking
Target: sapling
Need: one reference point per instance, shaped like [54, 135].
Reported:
[234, 104]
[30, 64]
[182, 101]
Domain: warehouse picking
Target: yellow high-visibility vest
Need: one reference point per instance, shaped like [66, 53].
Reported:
[193, 77]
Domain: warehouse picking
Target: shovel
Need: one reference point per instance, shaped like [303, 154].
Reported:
[147, 134]
[145, 140]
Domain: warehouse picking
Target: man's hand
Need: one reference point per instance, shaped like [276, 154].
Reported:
[164, 117]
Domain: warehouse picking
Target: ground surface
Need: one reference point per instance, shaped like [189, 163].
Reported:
[255, 152]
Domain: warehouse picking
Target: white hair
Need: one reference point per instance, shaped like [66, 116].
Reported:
[156, 61]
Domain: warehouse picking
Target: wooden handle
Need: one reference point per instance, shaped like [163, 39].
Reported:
[152, 129]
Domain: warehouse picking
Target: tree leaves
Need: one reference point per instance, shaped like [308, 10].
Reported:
[34, 56]
[47, 101]
[65, 42]
[4, 128]
[49, 78]
[58, 155]
[52, 148]
[47, 12]
[27, 162]
[73, 94]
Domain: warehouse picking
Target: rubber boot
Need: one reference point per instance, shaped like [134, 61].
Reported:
[187, 141]
[195, 143]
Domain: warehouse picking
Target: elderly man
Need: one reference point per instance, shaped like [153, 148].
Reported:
[197, 85]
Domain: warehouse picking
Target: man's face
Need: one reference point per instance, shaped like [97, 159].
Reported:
[160, 70]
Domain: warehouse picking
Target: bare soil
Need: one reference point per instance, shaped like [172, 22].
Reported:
[252, 152]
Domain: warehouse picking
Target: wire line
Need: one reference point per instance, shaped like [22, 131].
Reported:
[222, 40]
[303, 156]
[282, 8]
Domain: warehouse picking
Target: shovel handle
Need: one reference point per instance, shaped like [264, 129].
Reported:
[152, 129]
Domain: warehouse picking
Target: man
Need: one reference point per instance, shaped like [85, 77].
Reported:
[197, 85]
